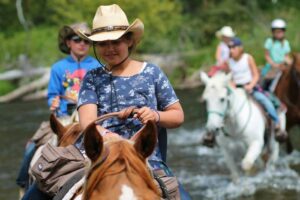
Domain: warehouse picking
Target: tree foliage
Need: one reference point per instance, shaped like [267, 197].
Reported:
[170, 25]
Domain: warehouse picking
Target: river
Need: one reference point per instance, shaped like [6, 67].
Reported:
[201, 170]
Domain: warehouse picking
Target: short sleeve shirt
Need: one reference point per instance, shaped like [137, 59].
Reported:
[277, 49]
[150, 87]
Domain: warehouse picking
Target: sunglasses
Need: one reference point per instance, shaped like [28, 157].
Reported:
[78, 39]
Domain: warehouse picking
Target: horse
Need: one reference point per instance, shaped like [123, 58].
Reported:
[234, 116]
[118, 166]
[57, 132]
[288, 91]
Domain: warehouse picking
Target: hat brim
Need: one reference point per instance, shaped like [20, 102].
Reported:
[137, 28]
[219, 34]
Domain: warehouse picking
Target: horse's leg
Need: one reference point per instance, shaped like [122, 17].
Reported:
[281, 135]
[289, 145]
[223, 143]
[274, 150]
[254, 150]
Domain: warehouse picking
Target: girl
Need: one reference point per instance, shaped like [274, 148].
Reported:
[277, 49]
[125, 82]
[225, 34]
[245, 74]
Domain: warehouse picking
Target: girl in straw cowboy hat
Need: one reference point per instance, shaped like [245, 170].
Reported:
[225, 34]
[125, 82]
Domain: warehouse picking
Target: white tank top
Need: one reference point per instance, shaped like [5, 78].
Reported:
[241, 71]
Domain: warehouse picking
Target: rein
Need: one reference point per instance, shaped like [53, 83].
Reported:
[123, 114]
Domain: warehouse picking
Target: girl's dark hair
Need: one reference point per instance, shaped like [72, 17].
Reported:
[129, 36]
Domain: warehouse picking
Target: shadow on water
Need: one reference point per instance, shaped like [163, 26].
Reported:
[202, 170]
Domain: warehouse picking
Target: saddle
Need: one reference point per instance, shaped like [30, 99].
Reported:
[280, 135]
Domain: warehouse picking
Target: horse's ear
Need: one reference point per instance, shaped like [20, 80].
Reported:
[204, 77]
[93, 142]
[56, 126]
[146, 139]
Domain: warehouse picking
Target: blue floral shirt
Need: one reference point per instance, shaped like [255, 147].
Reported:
[150, 87]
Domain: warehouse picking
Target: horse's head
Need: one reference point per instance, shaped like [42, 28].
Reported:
[119, 169]
[67, 134]
[216, 97]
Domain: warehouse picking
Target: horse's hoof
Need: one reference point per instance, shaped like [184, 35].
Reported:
[246, 166]
[208, 141]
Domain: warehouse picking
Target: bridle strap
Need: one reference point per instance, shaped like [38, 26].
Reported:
[222, 114]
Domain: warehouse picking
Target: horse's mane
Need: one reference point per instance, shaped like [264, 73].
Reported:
[70, 136]
[121, 157]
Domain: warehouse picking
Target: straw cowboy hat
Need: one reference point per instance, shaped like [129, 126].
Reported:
[225, 31]
[111, 23]
[68, 31]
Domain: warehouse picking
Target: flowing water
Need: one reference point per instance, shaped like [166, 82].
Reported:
[201, 170]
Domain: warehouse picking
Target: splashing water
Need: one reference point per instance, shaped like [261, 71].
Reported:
[203, 170]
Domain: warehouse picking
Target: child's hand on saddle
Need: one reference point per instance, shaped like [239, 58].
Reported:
[145, 114]
[55, 103]
[276, 65]
[282, 66]
[248, 88]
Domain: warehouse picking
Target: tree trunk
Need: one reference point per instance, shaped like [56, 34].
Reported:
[21, 91]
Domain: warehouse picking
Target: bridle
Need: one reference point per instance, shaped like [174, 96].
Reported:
[224, 113]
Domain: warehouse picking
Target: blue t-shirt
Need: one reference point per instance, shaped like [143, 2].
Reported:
[150, 87]
[65, 79]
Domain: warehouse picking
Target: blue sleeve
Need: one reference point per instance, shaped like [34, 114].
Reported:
[165, 93]
[55, 84]
[87, 93]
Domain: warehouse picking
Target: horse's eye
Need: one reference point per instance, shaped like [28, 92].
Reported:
[222, 100]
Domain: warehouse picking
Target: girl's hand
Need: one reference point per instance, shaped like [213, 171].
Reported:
[248, 88]
[145, 114]
[276, 65]
[55, 103]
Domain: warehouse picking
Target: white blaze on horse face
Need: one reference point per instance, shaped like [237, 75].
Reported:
[215, 95]
[127, 193]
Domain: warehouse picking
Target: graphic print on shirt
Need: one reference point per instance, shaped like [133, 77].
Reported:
[72, 82]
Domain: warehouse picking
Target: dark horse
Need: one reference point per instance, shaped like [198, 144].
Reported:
[288, 91]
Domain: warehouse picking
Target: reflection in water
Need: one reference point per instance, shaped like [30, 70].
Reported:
[202, 170]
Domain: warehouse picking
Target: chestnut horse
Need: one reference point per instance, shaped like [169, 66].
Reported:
[119, 169]
[118, 166]
[288, 91]
[66, 135]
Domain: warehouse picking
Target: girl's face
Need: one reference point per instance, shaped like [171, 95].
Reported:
[278, 34]
[226, 39]
[114, 52]
[236, 51]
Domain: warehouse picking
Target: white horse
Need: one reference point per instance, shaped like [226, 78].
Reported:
[233, 116]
